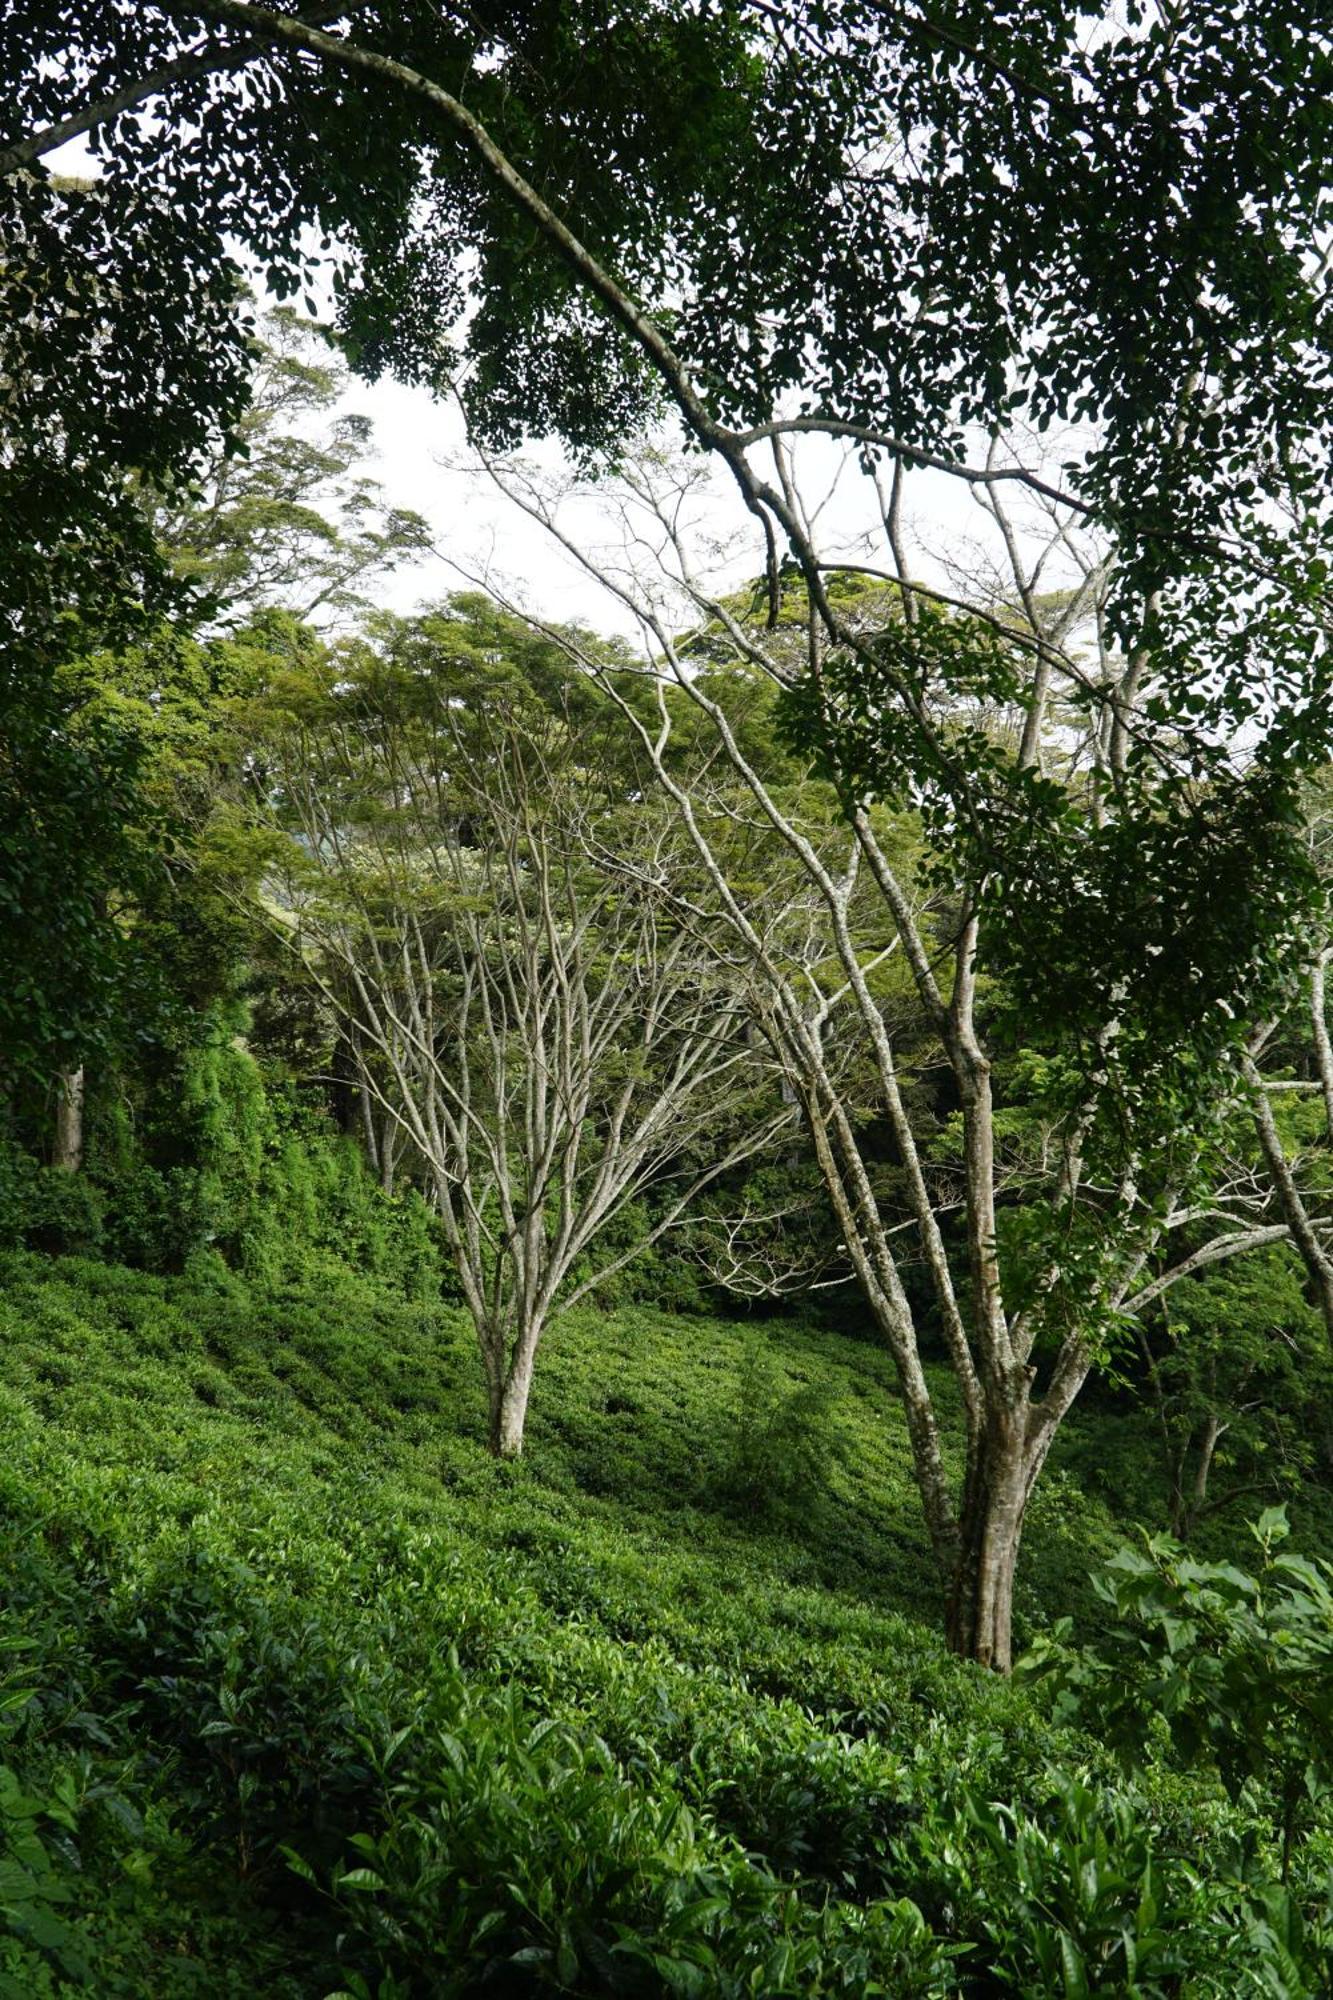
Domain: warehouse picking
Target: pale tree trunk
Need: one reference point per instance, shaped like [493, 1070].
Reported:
[1323, 1042]
[369, 1129]
[1304, 1233]
[67, 1153]
[381, 1135]
[508, 1388]
[1004, 1463]
[1213, 1431]
[1008, 1435]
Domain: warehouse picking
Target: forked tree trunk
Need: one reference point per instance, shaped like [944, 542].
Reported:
[67, 1153]
[1187, 1507]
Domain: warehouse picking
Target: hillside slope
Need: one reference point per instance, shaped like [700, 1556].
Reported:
[305, 1693]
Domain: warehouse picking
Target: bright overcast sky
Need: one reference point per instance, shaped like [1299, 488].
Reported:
[423, 463]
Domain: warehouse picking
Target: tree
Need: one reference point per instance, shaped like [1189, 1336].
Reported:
[278, 518]
[1000, 219]
[88, 404]
[996, 212]
[79, 841]
[1288, 1072]
[1130, 915]
[114, 371]
[494, 922]
[102, 744]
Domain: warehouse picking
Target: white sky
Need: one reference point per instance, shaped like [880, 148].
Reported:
[422, 462]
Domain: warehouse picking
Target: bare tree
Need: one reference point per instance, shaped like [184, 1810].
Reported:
[496, 917]
[1113, 1181]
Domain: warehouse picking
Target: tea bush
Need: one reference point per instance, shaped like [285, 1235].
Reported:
[1217, 1666]
[301, 1694]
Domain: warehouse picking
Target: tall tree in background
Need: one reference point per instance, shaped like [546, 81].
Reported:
[111, 702]
[283, 514]
[111, 374]
[86, 403]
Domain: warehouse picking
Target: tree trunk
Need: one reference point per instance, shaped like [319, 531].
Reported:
[68, 1150]
[1176, 1473]
[509, 1401]
[369, 1132]
[1213, 1430]
[344, 1090]
[979, 1618]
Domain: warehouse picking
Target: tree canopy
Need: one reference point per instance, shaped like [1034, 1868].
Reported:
[904, 218]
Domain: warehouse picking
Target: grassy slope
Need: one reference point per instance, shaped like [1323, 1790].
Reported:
[264, 1526]
[638, 1431]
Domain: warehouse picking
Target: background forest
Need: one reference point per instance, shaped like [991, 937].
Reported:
[667, 1292]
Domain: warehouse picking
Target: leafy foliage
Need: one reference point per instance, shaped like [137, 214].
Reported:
[79, 835]
[1107, 216]
[1237, 1383]
[782, 1440]
[1179, 912]
[276, 517]
[1233, 1667]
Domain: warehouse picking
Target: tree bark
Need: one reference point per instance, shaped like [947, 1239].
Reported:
[1318, 1263]
[388, 1158]
[509, 1400]
[1187, 1510]
[67, 1153]
[979, 1616]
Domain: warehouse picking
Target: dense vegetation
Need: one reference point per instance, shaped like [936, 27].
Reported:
[645, 1284]
[304, 1690]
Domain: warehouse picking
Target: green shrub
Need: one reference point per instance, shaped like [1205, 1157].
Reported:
[1224, 1668]
[1081, 1897]
[46, 1208]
